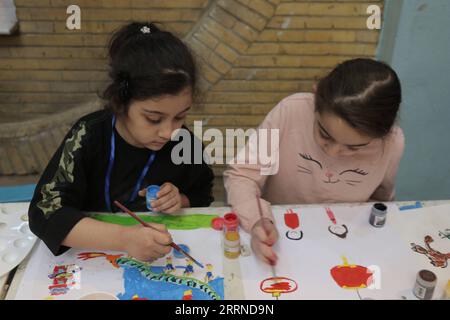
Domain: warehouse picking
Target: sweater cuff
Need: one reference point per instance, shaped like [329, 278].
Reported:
[248, 213]
[58, 227]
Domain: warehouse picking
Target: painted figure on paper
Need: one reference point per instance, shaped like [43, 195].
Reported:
[292, 221]
[351, 276]
[209, 276]
[445, 234]
[278, 285]
[437, 259]
[65, 277]
[169, 265]
[187, 295]
[189, 268]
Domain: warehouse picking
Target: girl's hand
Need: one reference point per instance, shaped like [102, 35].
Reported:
[264, 235]
[147, 244]
[169, 199]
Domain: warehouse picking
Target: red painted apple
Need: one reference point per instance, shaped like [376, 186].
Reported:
[351, 276]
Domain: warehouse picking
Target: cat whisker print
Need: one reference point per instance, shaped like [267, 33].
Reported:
[353, 181]
[331, 181]
[304, 168]
[302, 171]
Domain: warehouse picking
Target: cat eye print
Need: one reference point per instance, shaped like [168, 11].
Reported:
[357, 171]
[309, 158]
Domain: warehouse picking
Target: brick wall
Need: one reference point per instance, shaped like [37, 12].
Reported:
[251, 53]
[47, 67]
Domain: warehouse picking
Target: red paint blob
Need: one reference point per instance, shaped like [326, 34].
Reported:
[279, 286]
[291, 220]
[351, 276]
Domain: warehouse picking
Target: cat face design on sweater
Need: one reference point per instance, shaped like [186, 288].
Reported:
[351, 176]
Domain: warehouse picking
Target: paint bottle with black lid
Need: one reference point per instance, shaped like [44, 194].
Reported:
[378, 215]
[425, 284]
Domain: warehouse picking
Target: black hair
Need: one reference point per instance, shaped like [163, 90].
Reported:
[146, 62]
[363, 92]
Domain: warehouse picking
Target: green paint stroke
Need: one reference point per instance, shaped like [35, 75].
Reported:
[185, 222]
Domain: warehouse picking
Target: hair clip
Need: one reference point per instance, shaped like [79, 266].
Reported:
[145, 29]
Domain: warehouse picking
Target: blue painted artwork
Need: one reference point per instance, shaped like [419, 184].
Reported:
[167, 287]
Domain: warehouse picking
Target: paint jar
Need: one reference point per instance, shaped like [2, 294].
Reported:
[425, 284]
[378, 215]
[151, 195]
[231, 238]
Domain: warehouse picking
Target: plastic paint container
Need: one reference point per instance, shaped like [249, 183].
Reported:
[151, 195]
[425, 284]
[231, 241]
[378, 215]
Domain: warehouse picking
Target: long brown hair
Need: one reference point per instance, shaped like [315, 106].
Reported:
[363, 92]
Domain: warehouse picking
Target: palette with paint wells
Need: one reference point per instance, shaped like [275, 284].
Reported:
[16, 238]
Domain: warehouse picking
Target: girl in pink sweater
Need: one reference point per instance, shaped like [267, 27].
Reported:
[339, 144]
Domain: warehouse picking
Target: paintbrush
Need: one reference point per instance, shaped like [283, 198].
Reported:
[267, 233]
[145, 224]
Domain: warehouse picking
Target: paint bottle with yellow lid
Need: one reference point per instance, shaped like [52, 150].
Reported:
[231, 238]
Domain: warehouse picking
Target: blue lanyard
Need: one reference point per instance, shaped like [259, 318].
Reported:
[150, 161]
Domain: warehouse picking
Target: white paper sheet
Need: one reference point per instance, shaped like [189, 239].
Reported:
[386, 251]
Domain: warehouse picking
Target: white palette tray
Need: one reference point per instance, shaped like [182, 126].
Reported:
[16, 238]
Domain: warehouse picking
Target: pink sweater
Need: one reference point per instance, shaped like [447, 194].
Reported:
[367, 175]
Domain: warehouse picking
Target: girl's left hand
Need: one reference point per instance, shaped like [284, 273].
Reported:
[169, 199]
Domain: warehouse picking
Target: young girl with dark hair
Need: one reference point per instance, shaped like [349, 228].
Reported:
[114, 154]
[339, 144]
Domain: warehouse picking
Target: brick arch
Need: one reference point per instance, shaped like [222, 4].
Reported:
[225, 31]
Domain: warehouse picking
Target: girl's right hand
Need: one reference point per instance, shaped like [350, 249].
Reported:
[264, 235]
[147, 244]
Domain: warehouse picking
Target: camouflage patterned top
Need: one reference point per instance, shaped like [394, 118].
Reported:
[74, 180]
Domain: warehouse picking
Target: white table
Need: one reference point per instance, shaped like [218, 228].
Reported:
[232, 274]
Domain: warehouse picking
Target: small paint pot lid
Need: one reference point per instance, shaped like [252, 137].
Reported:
[231, 220]
[217, 223]
[152, 190]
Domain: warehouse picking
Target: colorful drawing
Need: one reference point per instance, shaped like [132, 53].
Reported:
[351, 276]
[151, 282]
[187, 295]
[278, 285]
[209, 276]
[445, 234]
[169, 265]
[189, 270]
[65, 278]
[110, 257]
[437, 259]
[339, 230]
[336, 229]
[136, 297]
[177, 222]
[292, 221]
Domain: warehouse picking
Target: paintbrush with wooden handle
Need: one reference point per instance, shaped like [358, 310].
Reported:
[272, 267]
[145, 224]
